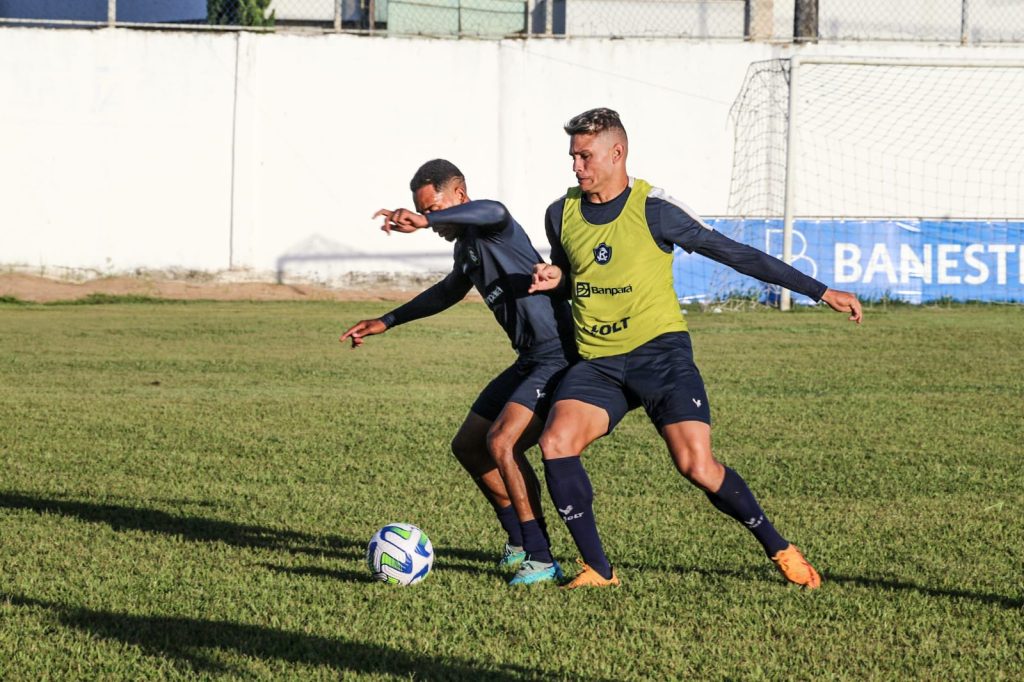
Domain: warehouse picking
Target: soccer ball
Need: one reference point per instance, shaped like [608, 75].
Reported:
[400, 554]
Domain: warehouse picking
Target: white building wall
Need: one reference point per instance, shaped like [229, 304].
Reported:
[115, 149]
[268, 153]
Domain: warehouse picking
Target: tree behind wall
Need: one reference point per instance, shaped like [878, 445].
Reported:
[239, 12]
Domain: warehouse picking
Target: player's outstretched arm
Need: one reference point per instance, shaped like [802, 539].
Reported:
[843, 302]
[363, 328]
[483, 213]
[401, 220]
[545, 278]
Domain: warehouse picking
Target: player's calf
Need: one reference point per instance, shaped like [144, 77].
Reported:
[573, 496]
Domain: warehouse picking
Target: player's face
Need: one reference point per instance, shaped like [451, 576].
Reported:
[429, 199]
[595, 161]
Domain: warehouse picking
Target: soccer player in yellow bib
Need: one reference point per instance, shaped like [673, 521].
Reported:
[612, 239]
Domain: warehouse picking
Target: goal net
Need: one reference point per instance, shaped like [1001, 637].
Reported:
[900, 179]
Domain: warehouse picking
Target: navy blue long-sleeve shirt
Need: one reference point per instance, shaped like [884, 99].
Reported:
[493, 254]
[672, 223]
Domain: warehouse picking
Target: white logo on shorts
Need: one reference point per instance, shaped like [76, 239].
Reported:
[696, 402]
[540, 394]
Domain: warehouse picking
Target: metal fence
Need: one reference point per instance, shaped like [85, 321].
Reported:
[960, 21]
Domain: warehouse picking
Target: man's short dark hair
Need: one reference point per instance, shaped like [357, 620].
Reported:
[436, 173]
[595, 121]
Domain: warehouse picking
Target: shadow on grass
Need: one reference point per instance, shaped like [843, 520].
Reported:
[200, 529]
[1004, 601]
[317, 572]
[748, 573]
[192, 641]
[759, 574]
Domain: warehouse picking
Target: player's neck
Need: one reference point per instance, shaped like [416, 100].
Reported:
[603, 196]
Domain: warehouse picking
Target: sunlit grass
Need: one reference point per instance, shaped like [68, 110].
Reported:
[187, 491]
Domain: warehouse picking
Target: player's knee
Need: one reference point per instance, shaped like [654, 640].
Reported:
[472, 456]
[464, 449]
[704, 472]
[555, 443]
[501, 445]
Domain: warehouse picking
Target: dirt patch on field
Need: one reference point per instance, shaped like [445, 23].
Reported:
[45, 290]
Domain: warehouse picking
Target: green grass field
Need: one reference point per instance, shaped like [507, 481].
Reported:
[187, 491]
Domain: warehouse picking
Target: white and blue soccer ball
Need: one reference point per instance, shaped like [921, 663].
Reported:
[400, 554]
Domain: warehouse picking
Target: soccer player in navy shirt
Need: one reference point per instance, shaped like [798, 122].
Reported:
[612, 239]
[493, 254]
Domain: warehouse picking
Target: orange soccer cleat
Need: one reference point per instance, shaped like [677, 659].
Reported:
[796, 568]
[588, 577]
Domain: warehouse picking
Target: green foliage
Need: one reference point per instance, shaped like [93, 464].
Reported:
[239, 12]
[109, 299]
[187, 492]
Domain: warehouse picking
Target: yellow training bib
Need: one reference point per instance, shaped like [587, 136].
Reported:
[623, 294]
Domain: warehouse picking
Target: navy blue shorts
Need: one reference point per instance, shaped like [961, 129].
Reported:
[660, 375]
[530, 382]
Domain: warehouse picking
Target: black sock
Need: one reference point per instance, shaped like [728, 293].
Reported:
[573, 496]
[510, 522]
[544, 529]
[735, 499]
[535, 542]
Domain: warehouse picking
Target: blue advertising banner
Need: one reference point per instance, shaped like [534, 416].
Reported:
[911, 260]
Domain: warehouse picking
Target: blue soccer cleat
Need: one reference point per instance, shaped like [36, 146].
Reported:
[511, 557]
[531, 572]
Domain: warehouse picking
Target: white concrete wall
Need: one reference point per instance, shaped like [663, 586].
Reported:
[115, 149]
[262, 153]
[317, 156]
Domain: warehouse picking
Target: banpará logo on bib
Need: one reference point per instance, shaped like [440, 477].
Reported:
[586, 289]
[602, 253]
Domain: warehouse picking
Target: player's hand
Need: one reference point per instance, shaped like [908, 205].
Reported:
[843, 302]
[363, 328]
[401, 220]
[545, 277]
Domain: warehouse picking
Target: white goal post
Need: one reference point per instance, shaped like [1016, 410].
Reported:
[963, 128]
[899, 178]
